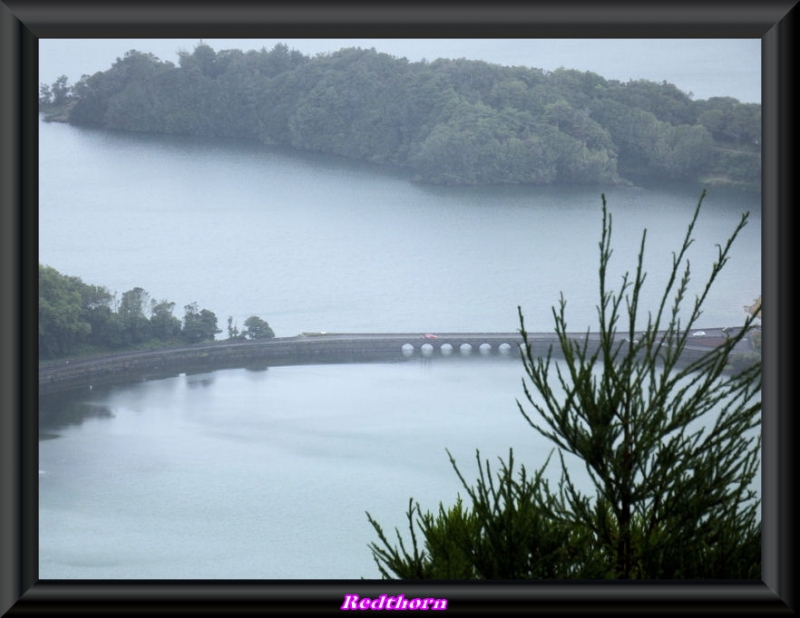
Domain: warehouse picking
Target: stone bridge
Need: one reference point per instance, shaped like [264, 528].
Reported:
[307, 348]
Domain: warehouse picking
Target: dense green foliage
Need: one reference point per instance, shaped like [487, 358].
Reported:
[78, 318]
[504, 535]
[446, 121]
[256, 328]
[671, 448]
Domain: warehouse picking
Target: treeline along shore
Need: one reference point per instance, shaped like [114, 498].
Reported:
[453, 122]
[77, 319]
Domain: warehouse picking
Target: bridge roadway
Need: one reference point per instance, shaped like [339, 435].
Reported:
[307, 348]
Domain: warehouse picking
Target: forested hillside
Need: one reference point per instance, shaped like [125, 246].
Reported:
[446, 121]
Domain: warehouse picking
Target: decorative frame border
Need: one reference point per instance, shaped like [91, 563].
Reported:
[22, 23]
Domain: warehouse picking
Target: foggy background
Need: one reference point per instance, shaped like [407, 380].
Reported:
[705, 67]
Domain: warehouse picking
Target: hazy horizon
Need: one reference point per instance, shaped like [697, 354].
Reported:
[703, 67]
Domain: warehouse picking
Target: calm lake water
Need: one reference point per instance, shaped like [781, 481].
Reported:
[247, 474]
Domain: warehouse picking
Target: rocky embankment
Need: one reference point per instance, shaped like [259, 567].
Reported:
[165, 362]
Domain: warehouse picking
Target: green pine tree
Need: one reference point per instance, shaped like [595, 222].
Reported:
[669, 435]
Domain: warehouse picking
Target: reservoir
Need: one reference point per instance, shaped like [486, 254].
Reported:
[268, 473]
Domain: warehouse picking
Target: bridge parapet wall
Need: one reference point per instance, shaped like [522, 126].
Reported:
[166, 362]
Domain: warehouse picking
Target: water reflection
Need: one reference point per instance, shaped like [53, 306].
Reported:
[202, 381]
[65, 409]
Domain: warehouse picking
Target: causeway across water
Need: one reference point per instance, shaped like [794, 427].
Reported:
[314, 348]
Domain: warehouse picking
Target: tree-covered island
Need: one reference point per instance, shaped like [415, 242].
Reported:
[456, 122]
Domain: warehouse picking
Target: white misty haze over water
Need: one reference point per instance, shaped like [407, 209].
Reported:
[705, 67]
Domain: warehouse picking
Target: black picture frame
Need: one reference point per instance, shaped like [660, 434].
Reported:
[23, 23]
